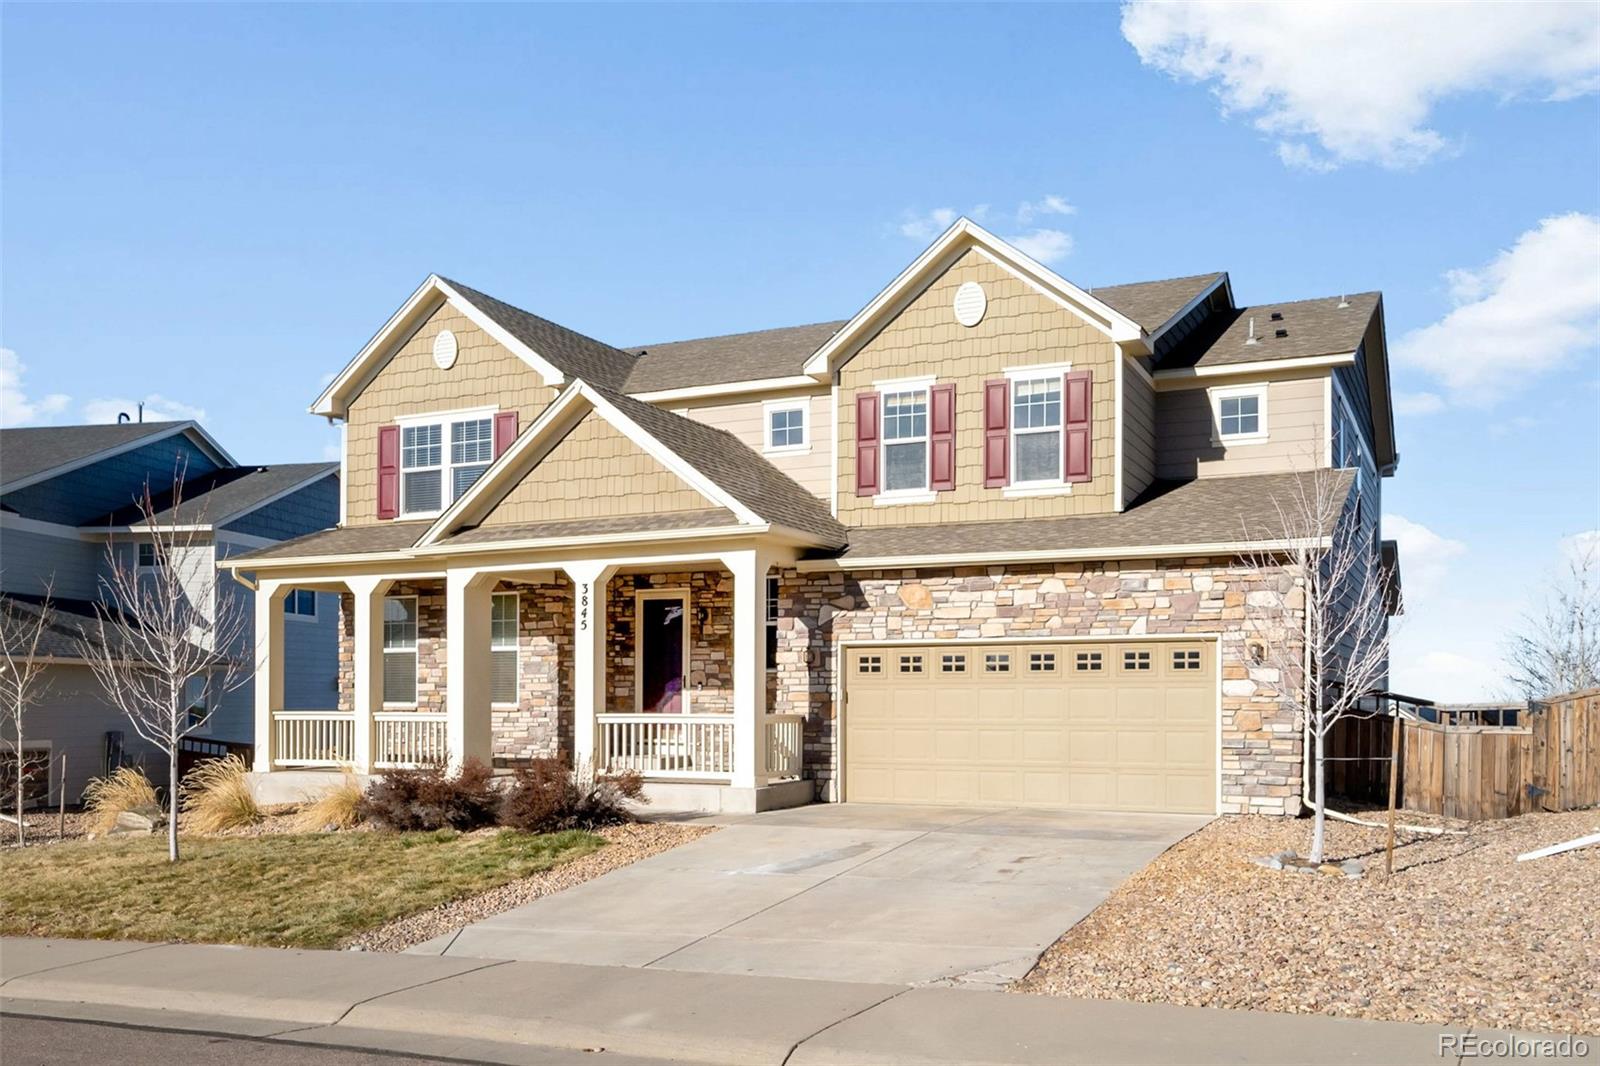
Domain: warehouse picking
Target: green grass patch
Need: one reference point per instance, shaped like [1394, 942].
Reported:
[300, 890]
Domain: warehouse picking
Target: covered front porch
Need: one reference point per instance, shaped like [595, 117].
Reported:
[655, 662]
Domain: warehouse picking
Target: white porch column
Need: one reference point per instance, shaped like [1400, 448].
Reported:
[589, 580]
[269, 597]
[367, 663]
[749, 570]
[469, 730]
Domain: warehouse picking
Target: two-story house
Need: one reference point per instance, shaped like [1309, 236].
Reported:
[69, 505]
[978, 544]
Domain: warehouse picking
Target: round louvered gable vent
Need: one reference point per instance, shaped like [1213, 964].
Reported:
[970, 303]
[444, 350]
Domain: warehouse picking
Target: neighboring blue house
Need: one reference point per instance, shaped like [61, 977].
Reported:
[69, 497]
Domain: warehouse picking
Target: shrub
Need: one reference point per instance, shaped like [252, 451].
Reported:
[337, 808]
[216, 796]
[429, 798]
[546, 797]
[125, 790]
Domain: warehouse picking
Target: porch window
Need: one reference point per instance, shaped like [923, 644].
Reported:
[1036, 430]
[197, 715]
[905, 439]
[149, 559]
[503, 649]
[439, 461]
[772, 623]
[301, 603]
[400, 650]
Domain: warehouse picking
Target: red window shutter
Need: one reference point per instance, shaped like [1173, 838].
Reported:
[505, 431]
[388, 471]
[1077, 405]
[942, 437]
[868, 452]
[996, 434]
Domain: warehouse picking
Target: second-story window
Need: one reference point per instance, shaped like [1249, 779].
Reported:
[1240, 413]
[440, 460]
[786, 427]
[1036, 430]
[905, 441]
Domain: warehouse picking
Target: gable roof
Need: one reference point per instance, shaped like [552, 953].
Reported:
[756, 356]
[1153, 304]
[1328, 326]
[72, 621]
[573, 353]
[221, 496]
[33, 454]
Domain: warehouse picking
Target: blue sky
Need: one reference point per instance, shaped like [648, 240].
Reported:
[214, 207]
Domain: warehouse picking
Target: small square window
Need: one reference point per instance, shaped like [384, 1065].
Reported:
[1090, 661]
[869, 664]
[1042, 662]
[1241, 413]
[911, 664]
[953, 664]
[786, 427]
[1186, 659]
[1136, 660]
[997, 662]
[148, 559]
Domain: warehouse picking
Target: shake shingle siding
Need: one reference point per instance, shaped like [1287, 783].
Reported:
[90, 491]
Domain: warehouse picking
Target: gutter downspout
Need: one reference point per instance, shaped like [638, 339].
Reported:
[233, 572]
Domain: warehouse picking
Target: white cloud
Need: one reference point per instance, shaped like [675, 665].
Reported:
[16, 409]
[1027, 211]
[1425, 556]
[1338, 83]
[1417, 403]
[1530, 309]
[157, 408]
[928, 225]
[1045, 245]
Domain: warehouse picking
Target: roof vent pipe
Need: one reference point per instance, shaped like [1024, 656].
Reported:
[1343, 301]
[1252, 338]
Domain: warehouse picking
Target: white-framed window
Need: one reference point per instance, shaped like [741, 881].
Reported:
[786, 428]
[503, 649]
[772, 623]
[149, 558]
[301, 604]
[1349, 443]
[197, 714]
[1239, 413]
[441, 455]
[1036, 451]
[400, 650]
[905, 441]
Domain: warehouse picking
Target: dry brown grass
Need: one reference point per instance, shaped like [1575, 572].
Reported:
[106, 797]
[338, 807]
[216, 796]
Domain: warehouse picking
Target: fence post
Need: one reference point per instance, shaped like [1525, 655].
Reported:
[1394, 781]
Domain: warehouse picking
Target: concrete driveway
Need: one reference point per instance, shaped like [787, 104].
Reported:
[843, 892]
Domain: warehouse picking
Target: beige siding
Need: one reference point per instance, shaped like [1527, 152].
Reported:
[1138, 433]
[485, 374]
[1021, 327]
[746, 420]
[595, 472]
[1296, 436]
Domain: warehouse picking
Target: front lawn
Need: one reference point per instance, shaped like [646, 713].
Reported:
[300, 890]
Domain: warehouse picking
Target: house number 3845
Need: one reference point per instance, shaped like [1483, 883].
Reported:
[583, 607]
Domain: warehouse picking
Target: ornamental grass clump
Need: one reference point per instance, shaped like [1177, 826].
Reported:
[337, 808]
[429, 798]
[216, 796]
[126, 789]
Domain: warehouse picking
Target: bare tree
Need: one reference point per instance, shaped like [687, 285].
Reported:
[23, 681]
[1323, 613]
[1556, 647]
[165, 642]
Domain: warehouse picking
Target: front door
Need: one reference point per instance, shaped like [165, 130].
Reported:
[661, 653]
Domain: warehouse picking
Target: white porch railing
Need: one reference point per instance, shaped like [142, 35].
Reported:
[786, 742]
[313, 738]
[687, 746]
[408, 739]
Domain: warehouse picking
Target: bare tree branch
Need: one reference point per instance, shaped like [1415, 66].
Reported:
[1556, 647]
[23, 681]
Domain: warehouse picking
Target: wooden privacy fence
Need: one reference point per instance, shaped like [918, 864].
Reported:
[1550, 761]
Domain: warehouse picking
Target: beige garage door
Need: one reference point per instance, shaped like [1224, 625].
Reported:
[1124, 726]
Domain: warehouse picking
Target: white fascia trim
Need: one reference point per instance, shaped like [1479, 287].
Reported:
[329, 403]
[1117, 429]
[244, 540]
[9, 520]
[1060, 291]
[1132, 359]
[460, 414]
[344, 464]
[1264, 366]
[1043, 370]
[1151, 551]
[1178, 316]
[206, 441]
[551, 543]
[923, 382]
[1119, 326]
[731, 388]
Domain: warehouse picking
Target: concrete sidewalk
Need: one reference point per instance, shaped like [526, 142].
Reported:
[510, 1012]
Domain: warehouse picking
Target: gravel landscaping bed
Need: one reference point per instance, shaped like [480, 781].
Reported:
[1461, 934]
[624, 844]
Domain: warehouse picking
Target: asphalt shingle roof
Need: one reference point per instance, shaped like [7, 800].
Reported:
[220, 495]
[1310, 327]
[72, 620]
[709, 518]
[767, 353]
[343, 540]
[573, 353]
[1153, 303]
[37, 449]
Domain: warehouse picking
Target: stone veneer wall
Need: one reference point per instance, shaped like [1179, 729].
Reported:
[1261, 740]
[540, 726]
[710, 667]
[431, 656]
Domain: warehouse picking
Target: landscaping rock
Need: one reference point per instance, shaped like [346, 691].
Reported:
[145, 820]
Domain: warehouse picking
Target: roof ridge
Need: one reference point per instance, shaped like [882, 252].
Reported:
[738, 333]
[1162, 281]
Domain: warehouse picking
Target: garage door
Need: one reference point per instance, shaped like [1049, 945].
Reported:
[1118, 726]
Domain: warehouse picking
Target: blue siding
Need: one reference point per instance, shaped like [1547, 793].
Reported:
[29, 558]
[313, 508]
[91, 491]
